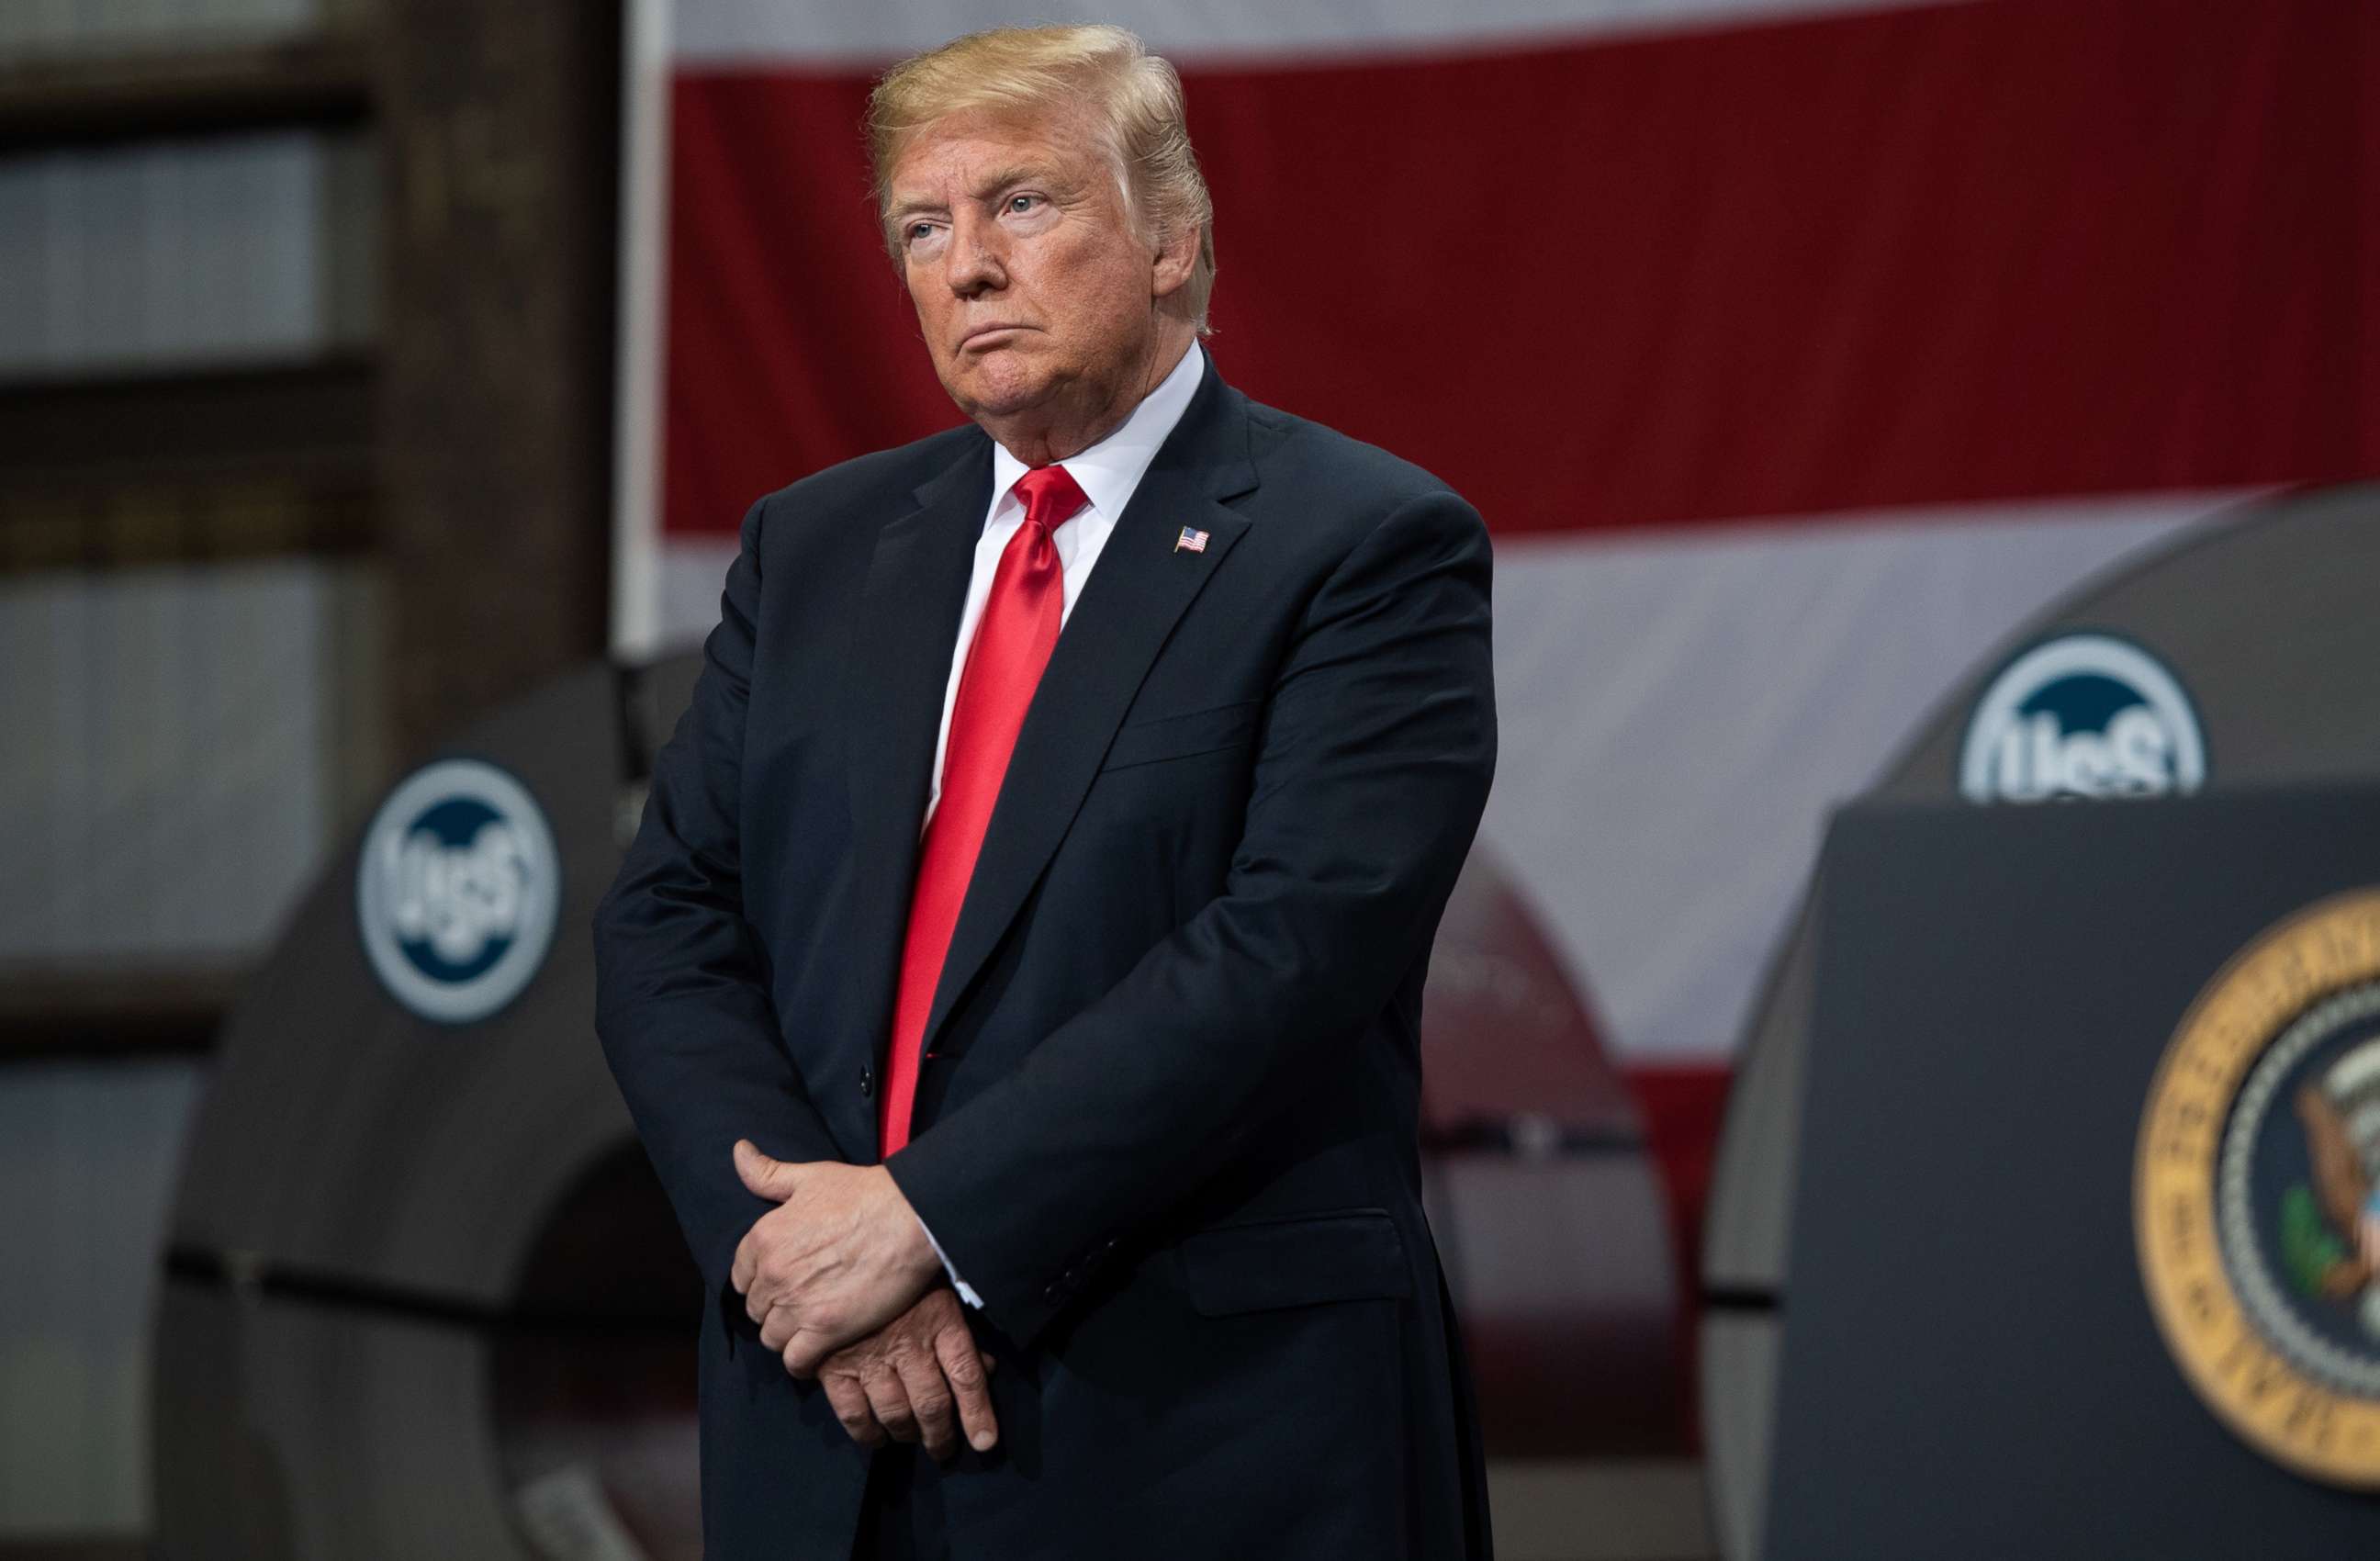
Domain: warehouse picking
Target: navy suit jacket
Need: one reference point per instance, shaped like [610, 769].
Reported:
[1167, 1124]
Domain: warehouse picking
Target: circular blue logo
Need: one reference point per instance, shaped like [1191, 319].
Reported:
[2083, 715]
[456, 891]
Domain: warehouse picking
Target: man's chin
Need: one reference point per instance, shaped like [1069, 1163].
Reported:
[997, 395]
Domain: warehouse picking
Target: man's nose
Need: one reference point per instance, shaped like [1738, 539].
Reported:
[975, 263]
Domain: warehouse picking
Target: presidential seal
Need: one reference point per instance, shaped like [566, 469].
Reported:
[456, 890]
[2256, 1192]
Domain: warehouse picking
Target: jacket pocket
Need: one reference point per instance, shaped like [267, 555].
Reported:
[1174, 737]
[1346, 1254]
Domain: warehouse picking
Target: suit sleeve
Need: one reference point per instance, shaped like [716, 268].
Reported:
[1371, 771]
[682, 1004]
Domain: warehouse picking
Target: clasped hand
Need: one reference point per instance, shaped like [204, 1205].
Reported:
[839, 1257]
[837, 1277]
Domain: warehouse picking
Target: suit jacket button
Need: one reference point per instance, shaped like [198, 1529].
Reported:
[1052, 1292]
[867, 1080]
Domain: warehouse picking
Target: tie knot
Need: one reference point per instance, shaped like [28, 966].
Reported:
[1050, 495]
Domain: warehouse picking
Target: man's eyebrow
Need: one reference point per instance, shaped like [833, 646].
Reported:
[903, 210]
[1017, 173]
[991, 184]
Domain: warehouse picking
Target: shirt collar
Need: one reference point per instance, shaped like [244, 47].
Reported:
[1109, 471]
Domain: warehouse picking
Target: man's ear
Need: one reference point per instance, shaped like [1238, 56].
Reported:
[1177, 254]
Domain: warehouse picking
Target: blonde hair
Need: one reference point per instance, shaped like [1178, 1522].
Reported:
[1135, 95]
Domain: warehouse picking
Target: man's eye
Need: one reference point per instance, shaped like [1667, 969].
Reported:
[1023, 202]
[918, 232]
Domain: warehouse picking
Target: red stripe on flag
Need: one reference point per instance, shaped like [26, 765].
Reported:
[1683, 1106]
[1942, 255]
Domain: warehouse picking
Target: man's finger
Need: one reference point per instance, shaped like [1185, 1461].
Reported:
[761, 1300]
[966, 1368]
[889, 1400]
[763, 1177]
[807, 1349]
[850, 1401]
[777, 1328]
[758, 1292]
[930, 1400]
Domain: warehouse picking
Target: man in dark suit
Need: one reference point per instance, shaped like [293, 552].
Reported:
[1017, 976]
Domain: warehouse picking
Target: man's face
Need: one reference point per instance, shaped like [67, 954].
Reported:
[1030, 285]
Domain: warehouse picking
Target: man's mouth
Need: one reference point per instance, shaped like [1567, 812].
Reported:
[983, 335]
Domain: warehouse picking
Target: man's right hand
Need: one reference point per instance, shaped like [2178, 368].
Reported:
[907, 1380]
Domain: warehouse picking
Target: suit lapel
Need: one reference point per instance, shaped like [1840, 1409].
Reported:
[1140, 586]
[900, 667]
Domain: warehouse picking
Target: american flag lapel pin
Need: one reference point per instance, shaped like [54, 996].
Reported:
[1192, 541]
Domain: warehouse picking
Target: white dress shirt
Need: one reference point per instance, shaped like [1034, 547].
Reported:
[1108, 473]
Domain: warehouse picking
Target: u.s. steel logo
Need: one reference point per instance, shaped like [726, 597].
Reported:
[2082, 715]
[457, 889]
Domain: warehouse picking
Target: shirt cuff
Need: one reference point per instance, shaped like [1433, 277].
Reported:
[966, 1292]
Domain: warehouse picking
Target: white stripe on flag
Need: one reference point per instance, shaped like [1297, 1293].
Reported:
[1678, 713]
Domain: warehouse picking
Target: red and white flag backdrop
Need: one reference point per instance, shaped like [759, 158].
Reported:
[1795, 352]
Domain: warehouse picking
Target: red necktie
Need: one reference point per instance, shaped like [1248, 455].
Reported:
[1013, 640]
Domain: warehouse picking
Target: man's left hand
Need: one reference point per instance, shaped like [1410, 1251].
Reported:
[921, 1380]
[842, 1255]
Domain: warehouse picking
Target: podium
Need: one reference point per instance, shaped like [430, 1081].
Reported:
[2009, 1330]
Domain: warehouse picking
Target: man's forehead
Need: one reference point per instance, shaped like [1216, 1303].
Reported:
[977, 145]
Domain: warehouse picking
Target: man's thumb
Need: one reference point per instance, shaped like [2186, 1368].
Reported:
[768, 1178]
